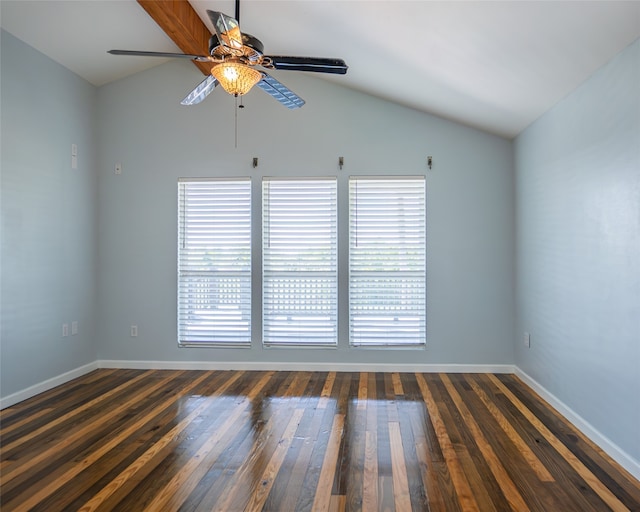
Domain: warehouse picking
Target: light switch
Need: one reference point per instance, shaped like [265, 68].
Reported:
[74, 156]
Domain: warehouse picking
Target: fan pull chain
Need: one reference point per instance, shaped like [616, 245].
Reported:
[236, 117]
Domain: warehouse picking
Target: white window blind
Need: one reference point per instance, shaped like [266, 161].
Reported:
[214, 262]
[387, 261]
[299, 262]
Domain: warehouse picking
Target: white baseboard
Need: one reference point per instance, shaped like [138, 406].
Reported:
[613, 450]
[308, 367]
[46, 385]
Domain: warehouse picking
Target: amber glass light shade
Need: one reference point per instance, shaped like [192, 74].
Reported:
[236, 78]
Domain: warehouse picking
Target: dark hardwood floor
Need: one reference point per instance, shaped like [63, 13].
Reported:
[136, 440]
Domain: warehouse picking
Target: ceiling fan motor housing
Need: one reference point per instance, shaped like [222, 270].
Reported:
[247, 40]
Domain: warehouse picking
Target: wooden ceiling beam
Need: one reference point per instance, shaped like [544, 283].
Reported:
[183, 25]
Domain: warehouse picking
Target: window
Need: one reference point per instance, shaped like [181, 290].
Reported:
[299, 262]
[214, 262]
[298, 289]
[387, 261]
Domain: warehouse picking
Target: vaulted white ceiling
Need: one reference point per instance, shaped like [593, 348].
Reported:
[492, 65]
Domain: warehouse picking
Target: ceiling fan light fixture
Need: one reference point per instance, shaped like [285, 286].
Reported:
[236, 78]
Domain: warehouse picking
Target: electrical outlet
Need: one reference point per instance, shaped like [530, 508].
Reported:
[134, 331]
[74, 328]
[65, 330]
[527, 340]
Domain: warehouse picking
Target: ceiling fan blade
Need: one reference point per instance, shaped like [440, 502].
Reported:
[202, 90]
[198, 58]
[280, 92]
[315, 64]
[227, 29]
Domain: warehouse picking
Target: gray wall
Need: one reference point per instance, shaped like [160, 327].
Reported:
[470, 313]
[578, 250]
[48, 230]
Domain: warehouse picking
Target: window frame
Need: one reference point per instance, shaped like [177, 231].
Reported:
[400, 338]
[324, 280]
[227, 283]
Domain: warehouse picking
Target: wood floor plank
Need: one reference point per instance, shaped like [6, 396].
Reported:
[244, 483]
[24, 408]
[309, 431]
[322, 499]
[99, 451]
[7, 429]
[397, 384]
[363, 391]
[463, 489]
[504, 480]
[142, 461]
[184, 481]
[437, 486]
[265, 483]
[408, 410]
[62, 443]
[525, 451]
[351, 456]
[564, 488]
[525, 479]
[115, 484]
[370, 473]
[59, 402]
[484, 488]
[221, 473]
[399, 469]
[71, 414]
[140, 488]
[317, 456]
[326, 390]
[369, 477]
[287, 484]
[168, 440]
[605, 494]
[386, 499]
[591, 455]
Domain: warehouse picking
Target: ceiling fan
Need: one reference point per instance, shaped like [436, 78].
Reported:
[235, 56]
